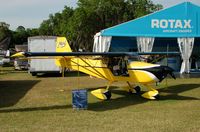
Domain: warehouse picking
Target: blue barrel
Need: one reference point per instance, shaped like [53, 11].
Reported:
[79, 99]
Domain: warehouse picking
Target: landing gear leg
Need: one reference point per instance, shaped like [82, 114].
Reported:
[133, 89]
[103, 94]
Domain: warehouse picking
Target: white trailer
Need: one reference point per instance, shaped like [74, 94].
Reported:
[42, 44]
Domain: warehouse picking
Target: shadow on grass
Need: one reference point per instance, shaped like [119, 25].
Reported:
[57, 74]
[125, 100]
[170, 93]
[74, 74]
[12, 91]
[45, 108]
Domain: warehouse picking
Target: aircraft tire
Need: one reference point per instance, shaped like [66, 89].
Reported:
[34, 74]
[108, 95]
[137, 89]
[157, 97]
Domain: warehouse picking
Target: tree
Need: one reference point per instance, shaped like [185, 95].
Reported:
[20, 29]
[19, 36]
[46, 28]
[91, 16]
[32, 32]
[80, 25]
[143, 7]
[57, 24]
[4, 30]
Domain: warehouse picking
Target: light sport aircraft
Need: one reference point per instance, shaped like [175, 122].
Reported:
[111, 66]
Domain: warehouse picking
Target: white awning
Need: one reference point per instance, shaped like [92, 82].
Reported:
[101, 43]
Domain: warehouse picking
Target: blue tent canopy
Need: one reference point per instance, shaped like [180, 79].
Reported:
[182, 20]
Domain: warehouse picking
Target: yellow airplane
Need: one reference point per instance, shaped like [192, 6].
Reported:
[111, 66]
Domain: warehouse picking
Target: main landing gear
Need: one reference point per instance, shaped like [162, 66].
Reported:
[133, 89]
[105, 94]
[151, 94]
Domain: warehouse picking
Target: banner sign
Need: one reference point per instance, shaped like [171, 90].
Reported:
[172, 25]
[182, 20]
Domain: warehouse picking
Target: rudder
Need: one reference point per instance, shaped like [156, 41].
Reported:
[62, 45]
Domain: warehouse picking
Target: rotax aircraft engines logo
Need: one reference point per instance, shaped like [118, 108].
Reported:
[172, 25]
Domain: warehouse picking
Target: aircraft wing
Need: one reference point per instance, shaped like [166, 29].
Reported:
[107, 54]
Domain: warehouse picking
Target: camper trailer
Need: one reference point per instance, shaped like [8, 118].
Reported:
[42, 44]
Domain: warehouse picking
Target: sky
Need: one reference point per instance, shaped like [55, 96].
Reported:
[30, 13]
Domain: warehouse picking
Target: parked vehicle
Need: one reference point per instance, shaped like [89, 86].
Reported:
[42, 44]
[21, 64]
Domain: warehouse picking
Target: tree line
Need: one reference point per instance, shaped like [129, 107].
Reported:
[79, 25]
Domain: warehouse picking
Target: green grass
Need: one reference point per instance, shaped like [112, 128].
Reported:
[44, 104]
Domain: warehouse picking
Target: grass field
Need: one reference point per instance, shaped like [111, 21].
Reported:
[44, 104]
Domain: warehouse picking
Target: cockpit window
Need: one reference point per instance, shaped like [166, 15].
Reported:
[118, 66]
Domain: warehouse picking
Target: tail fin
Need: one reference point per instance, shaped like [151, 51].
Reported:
[62, 45]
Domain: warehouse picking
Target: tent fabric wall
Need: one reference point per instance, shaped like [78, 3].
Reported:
[101, 43]
[145, 44]
[186, 47]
